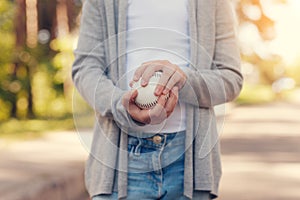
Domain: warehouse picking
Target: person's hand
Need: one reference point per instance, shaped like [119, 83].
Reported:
[172, 75]
[156, 115]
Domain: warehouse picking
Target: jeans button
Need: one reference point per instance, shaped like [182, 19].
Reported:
[157, 139]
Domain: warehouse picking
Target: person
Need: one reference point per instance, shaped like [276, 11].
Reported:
[172, 150]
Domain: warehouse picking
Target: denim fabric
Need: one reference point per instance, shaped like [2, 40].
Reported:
[156, 170]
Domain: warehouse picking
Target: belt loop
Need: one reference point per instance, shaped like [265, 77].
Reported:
[165, 139]
[137, 150]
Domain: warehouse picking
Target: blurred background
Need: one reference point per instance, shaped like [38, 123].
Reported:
[37, 39]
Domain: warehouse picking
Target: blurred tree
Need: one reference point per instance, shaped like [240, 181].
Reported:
[294, 71]
[8, 86]
[28, 28]
[253, 12]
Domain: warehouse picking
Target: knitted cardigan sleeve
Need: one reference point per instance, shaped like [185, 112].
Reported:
[219, 79]
[90, 68]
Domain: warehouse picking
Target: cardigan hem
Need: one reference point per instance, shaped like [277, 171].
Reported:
[213, 192]
[106, 189]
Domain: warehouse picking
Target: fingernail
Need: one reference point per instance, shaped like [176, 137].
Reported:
[165, 92]
[144, 82]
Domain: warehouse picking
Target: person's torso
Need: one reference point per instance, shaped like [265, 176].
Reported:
[158, 30]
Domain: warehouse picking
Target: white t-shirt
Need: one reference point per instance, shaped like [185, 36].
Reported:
[158, 30]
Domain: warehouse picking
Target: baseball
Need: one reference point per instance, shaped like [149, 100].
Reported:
[146, 98]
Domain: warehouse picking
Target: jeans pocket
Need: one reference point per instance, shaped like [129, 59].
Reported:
[138, 161]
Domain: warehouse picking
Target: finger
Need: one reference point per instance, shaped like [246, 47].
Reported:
[162, 100]
[139, 72]
[148, 73]
[172, 101]
[159, 107]
[129, 97]
[159, 89]
[134, 111]
[131, 83]
[166, 75]
[158, 113]
[126, 99]
[133, 96]
[138, 114]
[174, 80]
[154, 62]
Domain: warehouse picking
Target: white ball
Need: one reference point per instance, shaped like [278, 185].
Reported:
[146, 98]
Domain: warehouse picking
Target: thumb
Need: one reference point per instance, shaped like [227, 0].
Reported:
[134, 94]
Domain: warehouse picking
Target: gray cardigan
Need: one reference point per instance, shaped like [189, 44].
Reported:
[213, 78]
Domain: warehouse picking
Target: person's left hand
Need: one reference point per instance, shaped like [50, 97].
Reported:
[163, 109]
[172, 75]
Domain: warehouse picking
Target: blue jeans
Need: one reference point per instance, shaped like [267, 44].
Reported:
[156, 169]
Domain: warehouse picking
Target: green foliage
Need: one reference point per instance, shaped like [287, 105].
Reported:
[52, 84]
[7, 12]
[7, 42]
[29, 129]
[256, 94]
[35, 82]
[270, 69]
[293, 71]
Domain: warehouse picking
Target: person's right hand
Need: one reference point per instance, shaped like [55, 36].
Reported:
[172, 75]
[157, 114]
